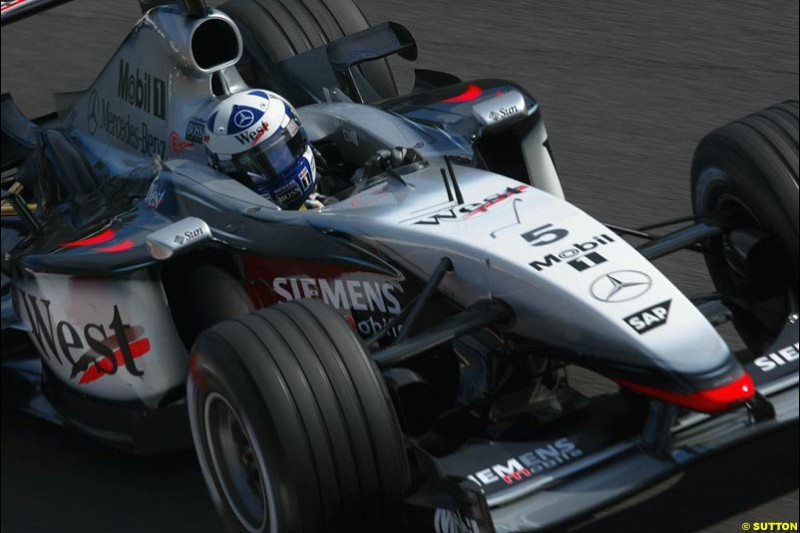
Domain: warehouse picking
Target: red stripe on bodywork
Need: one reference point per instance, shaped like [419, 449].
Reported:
[9, 5]
[713, 400]
[104, 236]
[472, 92]
[102, 367]
[121, 247]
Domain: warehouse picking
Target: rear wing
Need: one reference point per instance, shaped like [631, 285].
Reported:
[15, 10]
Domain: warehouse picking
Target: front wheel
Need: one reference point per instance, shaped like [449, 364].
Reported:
[293, 425]
[746, 174]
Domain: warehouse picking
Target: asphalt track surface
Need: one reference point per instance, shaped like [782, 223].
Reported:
[627, 89]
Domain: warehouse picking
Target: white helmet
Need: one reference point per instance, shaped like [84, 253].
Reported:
[256, 137]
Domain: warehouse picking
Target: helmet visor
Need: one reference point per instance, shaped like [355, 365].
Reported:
[271, 159]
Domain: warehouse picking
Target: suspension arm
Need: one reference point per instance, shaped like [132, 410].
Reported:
[478, 316]
[680, 239]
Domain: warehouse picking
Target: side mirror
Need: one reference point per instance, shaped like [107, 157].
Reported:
[178, 237]
[500, 109]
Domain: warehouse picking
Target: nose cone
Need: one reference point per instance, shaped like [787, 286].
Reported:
[576, 285]
[576, 288]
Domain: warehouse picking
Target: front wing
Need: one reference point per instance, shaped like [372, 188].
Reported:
[617, 470]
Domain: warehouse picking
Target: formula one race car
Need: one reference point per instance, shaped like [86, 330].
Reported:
[404, 357]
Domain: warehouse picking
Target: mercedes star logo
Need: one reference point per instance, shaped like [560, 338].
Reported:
[621, 286]
[91, 118]
[244, 118]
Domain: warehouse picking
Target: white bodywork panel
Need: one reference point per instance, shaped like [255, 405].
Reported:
[545, 257]
[110, 338]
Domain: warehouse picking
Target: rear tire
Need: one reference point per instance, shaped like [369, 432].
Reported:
[747, 173]
[321, 449]
[275, 30]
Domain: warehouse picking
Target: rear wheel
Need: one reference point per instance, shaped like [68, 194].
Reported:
[275, 30]
[293, 425]
[746, 173]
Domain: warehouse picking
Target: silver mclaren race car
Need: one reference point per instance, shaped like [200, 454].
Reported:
[404, 356]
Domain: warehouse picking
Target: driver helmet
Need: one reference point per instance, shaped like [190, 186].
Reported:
[255, 137]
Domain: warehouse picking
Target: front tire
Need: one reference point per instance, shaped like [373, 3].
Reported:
[293, 425]
[746, 173]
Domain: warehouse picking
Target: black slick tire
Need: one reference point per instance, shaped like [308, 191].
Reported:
[746, 173]
[275, 30]
[315, 412]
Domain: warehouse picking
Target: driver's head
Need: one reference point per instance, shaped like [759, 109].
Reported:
[256, 137]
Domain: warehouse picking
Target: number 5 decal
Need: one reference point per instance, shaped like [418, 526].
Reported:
[542, 235]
